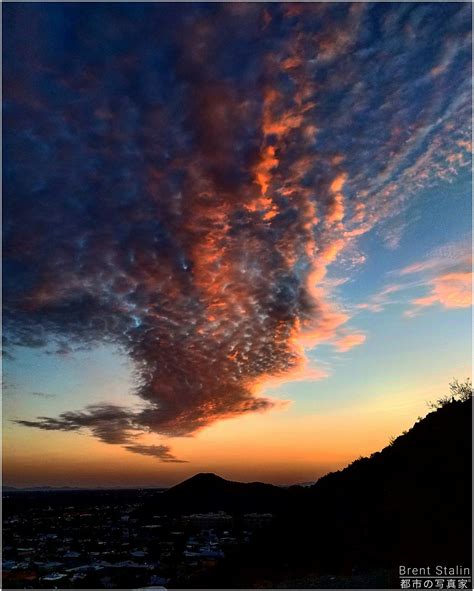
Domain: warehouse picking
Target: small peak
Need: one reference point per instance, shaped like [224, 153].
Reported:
[202, 479]
[205, 477]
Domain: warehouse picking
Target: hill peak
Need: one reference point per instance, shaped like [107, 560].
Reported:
[203, 478]
[202, 482]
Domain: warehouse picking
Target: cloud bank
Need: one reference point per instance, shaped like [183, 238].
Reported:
[177, 183]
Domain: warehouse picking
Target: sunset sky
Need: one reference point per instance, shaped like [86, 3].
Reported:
[237, 237]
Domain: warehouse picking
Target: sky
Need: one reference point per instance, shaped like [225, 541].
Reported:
[237, 237]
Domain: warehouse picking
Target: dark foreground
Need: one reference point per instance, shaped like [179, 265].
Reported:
[409, 504]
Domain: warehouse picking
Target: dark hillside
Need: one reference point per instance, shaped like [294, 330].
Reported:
[408, 504]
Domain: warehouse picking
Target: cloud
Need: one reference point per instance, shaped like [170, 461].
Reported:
[43, 395]
[385, 297]
[448, 275]
[445, 278]
[109, 423]
[161, 452]
[347, 342]
[452, 290]
[182, 186]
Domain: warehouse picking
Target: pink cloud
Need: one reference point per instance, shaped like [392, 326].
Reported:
[446, 277]
[453, 290]
[348, 341]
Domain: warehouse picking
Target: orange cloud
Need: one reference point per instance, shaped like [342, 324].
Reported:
[263, 170]
[446, 275]
[453, 290]
[347, 342]
[338, 183]
[336, 209]
[336, 205]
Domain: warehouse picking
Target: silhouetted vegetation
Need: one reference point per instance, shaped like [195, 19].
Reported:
[458, 392]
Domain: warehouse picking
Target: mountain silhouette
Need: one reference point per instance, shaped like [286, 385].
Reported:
[209, 492]
[407, 504]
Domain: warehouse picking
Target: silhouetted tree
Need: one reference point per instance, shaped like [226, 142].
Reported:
[459, 391]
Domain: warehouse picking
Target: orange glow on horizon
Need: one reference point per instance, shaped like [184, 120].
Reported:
[280, 447]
